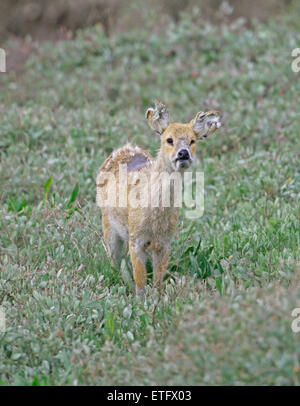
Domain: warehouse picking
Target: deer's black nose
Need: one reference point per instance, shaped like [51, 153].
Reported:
[183, 154]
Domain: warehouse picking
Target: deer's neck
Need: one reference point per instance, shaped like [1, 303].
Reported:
[161, 164]
[161, 170]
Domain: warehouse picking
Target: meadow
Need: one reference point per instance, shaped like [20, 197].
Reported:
[224, 317]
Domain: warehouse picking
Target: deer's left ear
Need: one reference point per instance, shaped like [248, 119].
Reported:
[159, 117]
[205, 124]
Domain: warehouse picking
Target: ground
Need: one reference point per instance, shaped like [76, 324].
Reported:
[225, 314]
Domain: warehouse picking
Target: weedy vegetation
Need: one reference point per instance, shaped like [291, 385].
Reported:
[224, 316]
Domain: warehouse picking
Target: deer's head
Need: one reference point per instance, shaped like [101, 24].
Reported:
[178, 141]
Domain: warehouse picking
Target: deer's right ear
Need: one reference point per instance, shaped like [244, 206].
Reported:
[205, 124]
[159, 117]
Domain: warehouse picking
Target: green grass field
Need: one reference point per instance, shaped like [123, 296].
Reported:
[225, 314]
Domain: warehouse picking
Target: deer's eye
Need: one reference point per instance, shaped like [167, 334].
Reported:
[192, 142]
[170, 141]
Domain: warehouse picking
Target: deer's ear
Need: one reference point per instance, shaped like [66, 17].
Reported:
[206, 123]
[159, 117]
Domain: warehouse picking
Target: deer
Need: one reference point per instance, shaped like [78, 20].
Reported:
[148, 229]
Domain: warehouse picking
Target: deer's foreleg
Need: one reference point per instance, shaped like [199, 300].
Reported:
[160, 265]
[138, 259]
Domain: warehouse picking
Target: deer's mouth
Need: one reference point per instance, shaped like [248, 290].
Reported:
[182, 163]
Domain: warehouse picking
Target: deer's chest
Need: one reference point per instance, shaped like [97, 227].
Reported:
[156, 224]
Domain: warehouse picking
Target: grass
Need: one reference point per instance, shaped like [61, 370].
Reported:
[225, 314]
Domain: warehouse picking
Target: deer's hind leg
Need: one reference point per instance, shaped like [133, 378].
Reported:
[114, 243]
